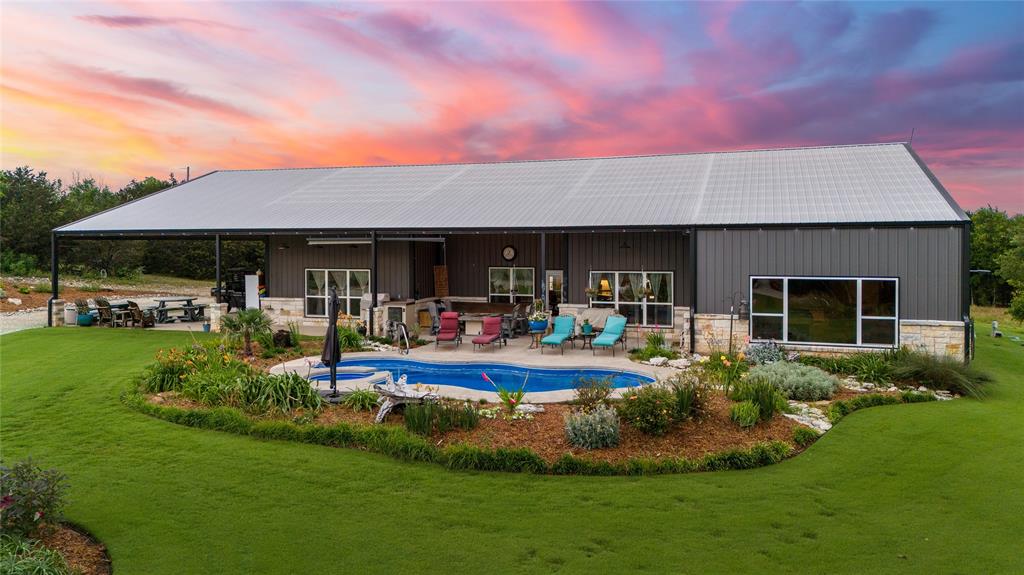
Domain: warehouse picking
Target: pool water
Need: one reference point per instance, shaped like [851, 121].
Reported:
[470, 375]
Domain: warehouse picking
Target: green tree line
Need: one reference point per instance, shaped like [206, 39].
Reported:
[32, 204]
[997, 255]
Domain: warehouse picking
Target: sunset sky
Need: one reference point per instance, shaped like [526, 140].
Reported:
[125, 90]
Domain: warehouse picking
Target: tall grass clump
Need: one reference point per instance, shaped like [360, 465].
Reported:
[764, 395]
[361, 400]
[943, 373]
[19, 556]
[691, 395]
[439, 417]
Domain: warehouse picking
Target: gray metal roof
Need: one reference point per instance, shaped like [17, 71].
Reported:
[876, 183]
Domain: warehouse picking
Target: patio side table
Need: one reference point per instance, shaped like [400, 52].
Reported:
[537, 336]
[588, 339]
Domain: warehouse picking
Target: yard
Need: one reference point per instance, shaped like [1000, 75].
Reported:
[931, 487]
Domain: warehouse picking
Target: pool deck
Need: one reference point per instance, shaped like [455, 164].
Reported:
[516, 353]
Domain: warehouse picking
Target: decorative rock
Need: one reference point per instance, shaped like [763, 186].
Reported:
[809, 416]
[922, 389]
[657, 361]
[530, 408]
[14, 301]
[679, 363]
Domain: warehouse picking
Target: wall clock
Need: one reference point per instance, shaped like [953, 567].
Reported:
[509, 253]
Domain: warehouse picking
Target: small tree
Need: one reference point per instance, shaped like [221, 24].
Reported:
[246, 324]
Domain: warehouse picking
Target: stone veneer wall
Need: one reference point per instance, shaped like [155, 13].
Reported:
[934, 337]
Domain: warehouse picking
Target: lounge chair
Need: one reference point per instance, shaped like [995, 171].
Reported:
[561, 331]
[491, 333]
[614, 332]
[449, 330]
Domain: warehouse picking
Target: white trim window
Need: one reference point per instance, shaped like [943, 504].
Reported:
[351, 285]
[842, 311]
[645, 298]
[510, 285]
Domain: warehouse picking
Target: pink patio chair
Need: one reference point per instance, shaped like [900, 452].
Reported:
[449, 330]
[491, 333]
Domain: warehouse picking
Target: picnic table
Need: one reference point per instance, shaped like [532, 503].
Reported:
[185, 304]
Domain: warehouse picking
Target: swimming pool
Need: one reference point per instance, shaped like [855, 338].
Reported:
[470, 374]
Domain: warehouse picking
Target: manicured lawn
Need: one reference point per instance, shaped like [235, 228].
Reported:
[925, 488]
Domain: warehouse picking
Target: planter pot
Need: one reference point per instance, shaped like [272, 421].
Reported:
[206, 327]
[538, 325]
[84, 319]
[587, 328]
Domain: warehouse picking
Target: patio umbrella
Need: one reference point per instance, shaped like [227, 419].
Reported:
[332, 347]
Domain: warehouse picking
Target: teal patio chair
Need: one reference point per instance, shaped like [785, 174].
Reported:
[562, 330]
[614, 332]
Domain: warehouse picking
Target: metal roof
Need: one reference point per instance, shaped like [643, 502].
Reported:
[876, 183]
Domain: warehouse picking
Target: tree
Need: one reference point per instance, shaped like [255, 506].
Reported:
[991, 234]
[1011, 267]
[115, 257]
[28, 211]
[246, 324]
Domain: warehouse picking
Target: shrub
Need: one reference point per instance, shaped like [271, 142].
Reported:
[795, 381]
[594, 429]
[30, 497]
[20, 556]
[690, 396]
[592, 392]
[726, 369]
[649, 409]
[361, 400]
[262, 392]
[838, 409]
[656, 340]
[764, 395]
[349, 339]
[944, 373]
[246, 325]
[764, 353]
[646, 353]
[804, 436]
[294, 336]
[428, 418]
[745, 413]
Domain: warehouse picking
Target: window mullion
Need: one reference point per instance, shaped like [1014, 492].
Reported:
[785, 309]
[860, 310]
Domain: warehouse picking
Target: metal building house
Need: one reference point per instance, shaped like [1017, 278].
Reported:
[824, 249]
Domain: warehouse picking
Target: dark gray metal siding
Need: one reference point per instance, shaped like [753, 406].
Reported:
[425, 256]
[469, 256]
[629, 251]
[926, 260]
[287, 266]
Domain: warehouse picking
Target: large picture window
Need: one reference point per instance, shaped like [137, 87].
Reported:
[825, 310]
[510, 285]
[645, 298]
[351, 285]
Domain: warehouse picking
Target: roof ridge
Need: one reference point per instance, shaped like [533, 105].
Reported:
[570, 159]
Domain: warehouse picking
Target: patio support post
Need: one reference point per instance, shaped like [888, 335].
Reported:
[543, 294]
[373, 280]
[565, 268]
[693, 289]
[216, 256]
[54, 290]
[266, 267]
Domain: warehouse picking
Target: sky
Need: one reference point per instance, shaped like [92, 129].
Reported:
[118, 90]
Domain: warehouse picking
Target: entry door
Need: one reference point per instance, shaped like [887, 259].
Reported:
[553, 283]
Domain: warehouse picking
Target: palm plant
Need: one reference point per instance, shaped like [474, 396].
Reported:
[246, 324]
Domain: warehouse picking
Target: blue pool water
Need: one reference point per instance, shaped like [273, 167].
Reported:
[469, 375]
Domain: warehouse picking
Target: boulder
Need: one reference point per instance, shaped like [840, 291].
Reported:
[658, 361]
[14, 301]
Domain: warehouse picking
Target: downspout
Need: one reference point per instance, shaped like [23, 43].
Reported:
[54, 288]
[693, 288]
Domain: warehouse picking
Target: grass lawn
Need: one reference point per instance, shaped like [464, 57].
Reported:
[925, 488]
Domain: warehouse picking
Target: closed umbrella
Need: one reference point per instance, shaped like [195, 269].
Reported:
[332, 348]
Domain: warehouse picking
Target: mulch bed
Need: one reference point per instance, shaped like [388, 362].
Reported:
[83, 553]
[545, 433]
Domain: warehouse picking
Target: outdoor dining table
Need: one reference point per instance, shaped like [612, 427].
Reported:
[119, 312]
[165, 305]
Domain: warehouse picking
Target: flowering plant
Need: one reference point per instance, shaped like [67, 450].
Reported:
[31, 498]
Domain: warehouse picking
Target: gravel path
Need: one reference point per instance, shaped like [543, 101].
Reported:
[25, 319]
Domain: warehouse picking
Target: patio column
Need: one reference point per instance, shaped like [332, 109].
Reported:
[373, 281]
[565, 267]
[543, 292]
[54, 288]
[693, 288]
[216, 252]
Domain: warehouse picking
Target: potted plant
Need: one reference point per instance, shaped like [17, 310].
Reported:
[587, 327]
[591, 292]
[539, 318]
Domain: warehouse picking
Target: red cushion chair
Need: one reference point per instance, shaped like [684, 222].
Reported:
[491, 333]
[449, 330]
